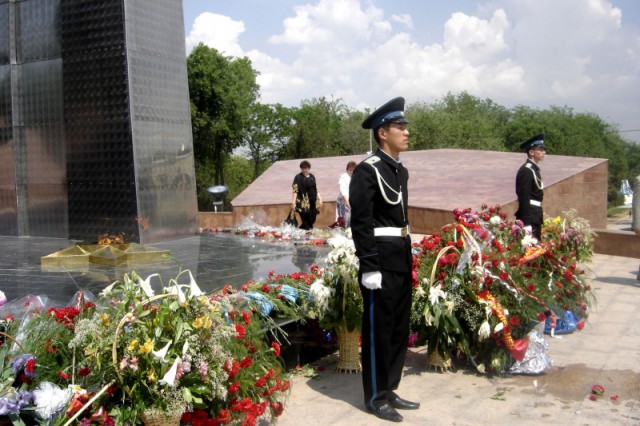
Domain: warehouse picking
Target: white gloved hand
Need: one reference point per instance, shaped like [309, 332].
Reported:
[372, 280]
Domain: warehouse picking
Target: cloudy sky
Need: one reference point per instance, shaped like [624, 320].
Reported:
[584, 54]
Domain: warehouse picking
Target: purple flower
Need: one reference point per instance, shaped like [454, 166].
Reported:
[19, 363]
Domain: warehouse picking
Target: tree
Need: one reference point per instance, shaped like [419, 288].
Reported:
[316, 131]
[458, 121]
[267, 134]
[222, 91]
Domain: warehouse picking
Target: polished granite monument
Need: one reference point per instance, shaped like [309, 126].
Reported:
[95, 130]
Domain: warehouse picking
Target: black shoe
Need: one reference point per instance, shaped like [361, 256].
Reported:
[386, 412]
[402, 404]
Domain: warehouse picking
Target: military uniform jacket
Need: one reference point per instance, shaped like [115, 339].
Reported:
[371, 208]
[529, 187]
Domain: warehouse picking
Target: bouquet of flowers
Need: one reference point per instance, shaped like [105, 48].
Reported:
[483, 283]
[336, 294]
[133, 355]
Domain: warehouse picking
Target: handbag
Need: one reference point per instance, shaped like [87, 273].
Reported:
[291, 219]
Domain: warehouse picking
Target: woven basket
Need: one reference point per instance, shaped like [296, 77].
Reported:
[348, 351]
[150, 418]
[438, 362]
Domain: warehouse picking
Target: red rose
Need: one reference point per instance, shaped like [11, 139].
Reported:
[514, 320]
[84, 372]
[542, 317]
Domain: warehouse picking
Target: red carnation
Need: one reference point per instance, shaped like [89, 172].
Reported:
[276, 348]
[84, 372]
[277, 408]
[247, 317]
[240, 331]
[234, 388]
[246, 362]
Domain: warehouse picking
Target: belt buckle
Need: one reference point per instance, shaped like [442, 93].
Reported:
[404, 231]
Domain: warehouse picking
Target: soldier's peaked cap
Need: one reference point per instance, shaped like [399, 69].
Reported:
[391, 112]
[532, 142]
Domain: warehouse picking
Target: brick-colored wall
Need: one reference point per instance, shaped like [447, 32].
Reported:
[586, 192]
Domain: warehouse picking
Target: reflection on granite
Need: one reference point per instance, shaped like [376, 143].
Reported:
[213, 259]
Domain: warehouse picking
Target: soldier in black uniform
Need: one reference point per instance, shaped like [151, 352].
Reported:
[378, 196]
[529, 186]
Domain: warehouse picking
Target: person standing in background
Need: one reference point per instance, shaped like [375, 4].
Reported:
[379, 223]
[529, 185]
[306, 199]
[343, 208]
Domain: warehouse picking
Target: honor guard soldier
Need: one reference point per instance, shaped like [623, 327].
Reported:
[379, 224]
[529, 186]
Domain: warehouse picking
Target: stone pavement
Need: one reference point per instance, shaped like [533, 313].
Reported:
[605, 352]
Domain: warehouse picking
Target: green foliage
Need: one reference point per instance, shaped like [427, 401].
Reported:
[461, 121]
[222, 91]
[267, 133]
[316, 129]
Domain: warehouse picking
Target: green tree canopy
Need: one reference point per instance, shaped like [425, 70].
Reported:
[222, 91]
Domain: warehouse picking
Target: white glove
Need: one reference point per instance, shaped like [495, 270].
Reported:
[372, 280]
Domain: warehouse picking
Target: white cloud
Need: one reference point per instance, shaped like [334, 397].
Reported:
[217, 31]
[404, 19]
[533, 52]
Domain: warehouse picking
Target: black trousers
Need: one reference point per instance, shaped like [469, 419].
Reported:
[385, 335]
[307, 219]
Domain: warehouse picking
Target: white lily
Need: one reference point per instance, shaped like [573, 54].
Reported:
[107, 290]
[528, 240]
[170, 376]
[162, 352]
[145, 285]
[484, 331]
[498, 327]
[175, 289]
[194, 290]
[185, 348]
[435, 294]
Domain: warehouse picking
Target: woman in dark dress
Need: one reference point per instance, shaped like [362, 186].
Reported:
[306, 198]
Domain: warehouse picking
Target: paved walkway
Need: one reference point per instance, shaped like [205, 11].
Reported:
[605, 352]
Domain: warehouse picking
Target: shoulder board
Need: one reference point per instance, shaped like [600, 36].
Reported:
[528, 165]
[372, 160]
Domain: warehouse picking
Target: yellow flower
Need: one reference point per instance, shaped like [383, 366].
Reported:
[105, 319]
[151, 376]
[132, 345]
[147, 347]
[198, 322]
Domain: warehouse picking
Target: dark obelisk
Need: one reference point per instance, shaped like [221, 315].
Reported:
[95, 130]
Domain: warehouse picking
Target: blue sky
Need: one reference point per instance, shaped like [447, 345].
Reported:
[584, 54]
